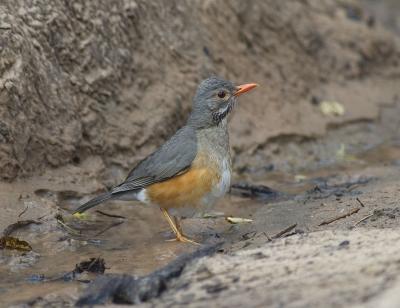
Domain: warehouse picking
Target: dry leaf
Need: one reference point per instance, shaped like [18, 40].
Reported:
[329, 108]
[213, 215]
[80, 215]
[13, 243]
[300, 177]
[238, 220]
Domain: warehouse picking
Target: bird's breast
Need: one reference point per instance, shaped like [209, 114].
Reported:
[224, 179]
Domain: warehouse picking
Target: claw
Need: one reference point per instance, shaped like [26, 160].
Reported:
[183, 239]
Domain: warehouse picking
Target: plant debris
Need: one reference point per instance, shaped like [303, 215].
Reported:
[13, 243]
[329, 221]
[106, 214]
[119, 222]
[80, 215]
[94, 265]
[284, 231]
[238, 220]
[331, 108]
[19, 224]
[23, 212]
[213, 215]
[359, 201]
[67, 228]
[363, 219]
[389, 213]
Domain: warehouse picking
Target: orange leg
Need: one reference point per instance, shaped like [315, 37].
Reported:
[176, 228]
[178, 224]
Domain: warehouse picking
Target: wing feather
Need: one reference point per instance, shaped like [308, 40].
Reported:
[172, 158]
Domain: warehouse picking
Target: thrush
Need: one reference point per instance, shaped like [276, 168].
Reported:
[192, 170]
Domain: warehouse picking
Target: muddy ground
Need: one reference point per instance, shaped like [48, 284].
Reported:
[318, 261]
[320, 187]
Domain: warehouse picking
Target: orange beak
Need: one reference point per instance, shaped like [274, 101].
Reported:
[245, 88]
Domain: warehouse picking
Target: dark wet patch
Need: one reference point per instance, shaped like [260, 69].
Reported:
[391, 213]
[260, 192]
[385, 214]
[215, 288]
[66, 199]
[36, 278]
[323, 189]
[259, 255]
[92, 266]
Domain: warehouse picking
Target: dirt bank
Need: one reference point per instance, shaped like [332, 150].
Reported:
[115, 78]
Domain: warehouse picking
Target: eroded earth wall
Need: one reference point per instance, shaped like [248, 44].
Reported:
[115, 78]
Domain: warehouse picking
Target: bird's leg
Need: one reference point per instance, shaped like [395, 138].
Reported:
[176, 228]
[178, 224]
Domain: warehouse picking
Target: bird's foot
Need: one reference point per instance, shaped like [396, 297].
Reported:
[183, 239]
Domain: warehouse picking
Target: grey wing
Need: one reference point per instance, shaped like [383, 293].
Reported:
[174, 157]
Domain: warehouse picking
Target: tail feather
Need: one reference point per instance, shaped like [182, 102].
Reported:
[95, 201]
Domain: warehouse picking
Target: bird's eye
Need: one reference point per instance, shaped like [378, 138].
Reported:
[221, 94]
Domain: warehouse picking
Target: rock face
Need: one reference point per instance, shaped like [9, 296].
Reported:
[115, 78]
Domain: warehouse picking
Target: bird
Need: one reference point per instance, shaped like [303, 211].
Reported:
[192, 170]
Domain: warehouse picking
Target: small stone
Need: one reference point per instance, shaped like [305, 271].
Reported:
[5, 26]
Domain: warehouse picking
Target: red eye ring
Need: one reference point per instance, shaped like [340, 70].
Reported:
[221, 94]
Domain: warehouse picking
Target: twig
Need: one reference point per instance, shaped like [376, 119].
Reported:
[267, 236]
[110, 215]
[329, 221]
[19, 224]
[359, 201]
[364, 218]
[67, 228]
[279, 234]
[109, 227]
[23, 212]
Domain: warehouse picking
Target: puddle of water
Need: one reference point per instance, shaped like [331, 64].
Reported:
[137, 246]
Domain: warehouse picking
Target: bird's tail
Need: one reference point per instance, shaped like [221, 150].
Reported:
[95, 201]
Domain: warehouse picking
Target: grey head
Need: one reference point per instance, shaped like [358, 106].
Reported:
[214, 100]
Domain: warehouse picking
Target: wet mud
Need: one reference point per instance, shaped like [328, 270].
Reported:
[353, 186]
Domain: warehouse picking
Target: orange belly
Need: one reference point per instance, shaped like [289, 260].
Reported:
[187, 189]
